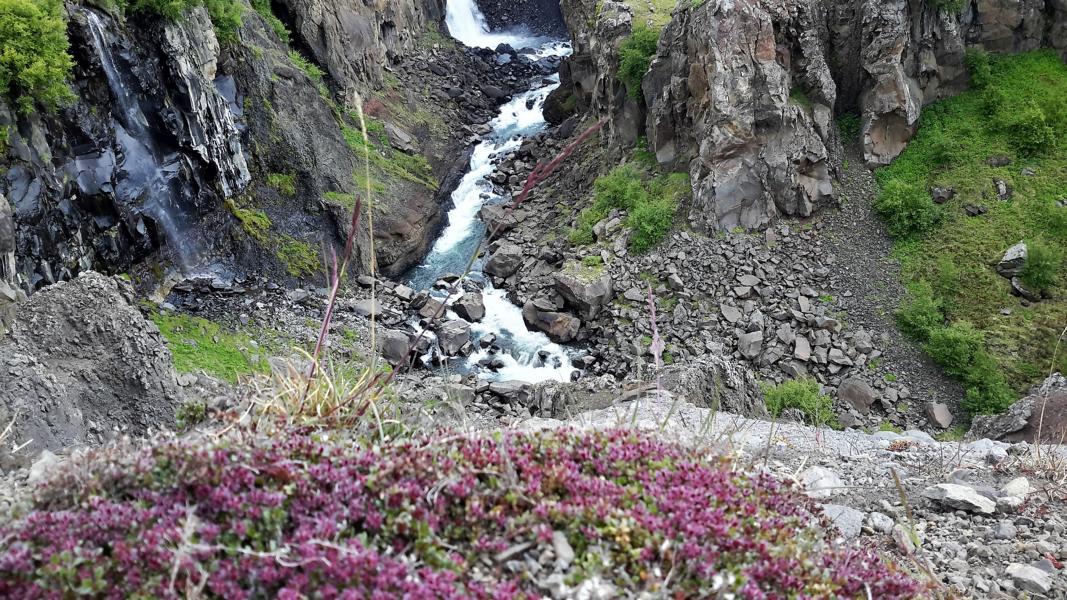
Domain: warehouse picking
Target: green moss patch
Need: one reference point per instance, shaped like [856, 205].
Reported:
[1011, 127]
[202, 345]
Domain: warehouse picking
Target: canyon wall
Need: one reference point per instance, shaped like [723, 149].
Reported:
[168, 148]
[742, 94]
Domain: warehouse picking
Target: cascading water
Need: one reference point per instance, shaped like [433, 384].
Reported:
[525, 355]
[147, 175]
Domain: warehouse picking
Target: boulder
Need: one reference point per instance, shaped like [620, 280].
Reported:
[939, 414]
[1013, 261]
[512, 392]
[505, 261]
[960, 497]
[942, 195]
[586, 289]
[750, 344]
[560, 327]
[470, 307]
[81, 364]
[498, 218]
[1029, 579]
[396, 346]
[453, 336]
[858, 394]
[1042, 414]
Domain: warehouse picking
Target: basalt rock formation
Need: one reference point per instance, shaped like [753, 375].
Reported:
[742, 94]
[542, 17]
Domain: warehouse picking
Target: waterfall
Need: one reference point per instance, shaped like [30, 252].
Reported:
[467, 24]
[148, 176]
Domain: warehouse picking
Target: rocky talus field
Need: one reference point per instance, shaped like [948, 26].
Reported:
[570, 299]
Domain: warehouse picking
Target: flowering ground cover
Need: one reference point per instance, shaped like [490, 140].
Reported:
[300, 515]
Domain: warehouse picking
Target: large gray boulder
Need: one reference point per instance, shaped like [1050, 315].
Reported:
[505, 261]
[541, 315]
[452, 336]
[82, 365]
[586, 289]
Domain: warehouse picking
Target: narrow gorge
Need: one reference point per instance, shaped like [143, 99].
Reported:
[687, 297]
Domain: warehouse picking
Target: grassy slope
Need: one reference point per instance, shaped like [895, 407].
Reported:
[956, 139]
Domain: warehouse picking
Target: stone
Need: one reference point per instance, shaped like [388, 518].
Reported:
[848, 521]
[1018, 288]
[880, 522]
[820, 482]
[960, 497]
[939, 414]
[505, 261]
[453, 335]
[366, 307]
[1029, 579]
[942, 195]
[1004, 189]
[498, 218]
[588, 290]
[512, 392]
[858, 394]
[562, 548]
[470, 307]
[42, 467]
[1009, 504]
[750, 344]
[1013, 261]
[1006, 530]
[975, 210]
[395, 346]
[560, 327]
[802, 350]
[732, 314]
[1020, 486]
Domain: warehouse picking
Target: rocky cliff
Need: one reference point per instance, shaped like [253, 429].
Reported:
[238, 156]
[743, 94]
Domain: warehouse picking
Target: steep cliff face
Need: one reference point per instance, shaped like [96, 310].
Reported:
[742, 94]
[355, 40]
[542, 17]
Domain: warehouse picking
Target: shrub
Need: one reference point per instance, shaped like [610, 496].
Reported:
[635, 57]
[1029, 132]
[1042, 269]
[225, 14]
[301, 514]
[955, 347]
[907, 208]
[921, 312]
[801, 394]
[987, 392]
[263, 8]
[979, 68]
[34, 60]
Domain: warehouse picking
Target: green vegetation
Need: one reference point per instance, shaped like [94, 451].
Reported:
[255, 223]
[190, 414]
[950, 6]
[225, 14]
[803, 395]
[635, 56]
[345, 200]
[34, 60]
[800, 97]
[284, 183]
[299, 258]
[654, 13]
[956, 301]
[650, 200]
[201, 345]
[849, 125]
[386, 160]
[263, 8]
[887, 426]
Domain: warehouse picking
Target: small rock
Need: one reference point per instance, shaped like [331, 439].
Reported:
[750, 344]
[41, 467]
[848, 521]
[857, 393]
[1020, 486]
[563, 550]
[1029, 579]
[960, 497]
[939, 414]
[820, 482]
[1013, 261]
[880, 522]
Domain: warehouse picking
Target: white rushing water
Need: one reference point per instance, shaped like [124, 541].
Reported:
[526, 355]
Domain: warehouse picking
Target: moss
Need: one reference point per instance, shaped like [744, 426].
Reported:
[386, 161]
[255, 223]
[299, 258]
[201, 345]
[345, 200]
[283, 183]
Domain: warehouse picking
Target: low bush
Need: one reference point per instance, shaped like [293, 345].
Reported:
[1029, 131]
[264, 9]
[35, 60]
[225, 14]
[802, 394]
[987, 393]
[979, 68]
[955, 347]
[907, 208]
[635, 57]
[1043, 263]
[921, 312]
[301, 514]
[651, 202]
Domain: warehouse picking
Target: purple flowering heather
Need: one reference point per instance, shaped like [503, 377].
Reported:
[295, 516]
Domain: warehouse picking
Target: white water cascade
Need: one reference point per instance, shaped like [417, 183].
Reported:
[526, 355]
[147, 173]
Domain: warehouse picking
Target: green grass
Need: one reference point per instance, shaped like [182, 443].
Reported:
[201, 345]
[947, 260]
[387, 162]
[654, 14]
[345, 200]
